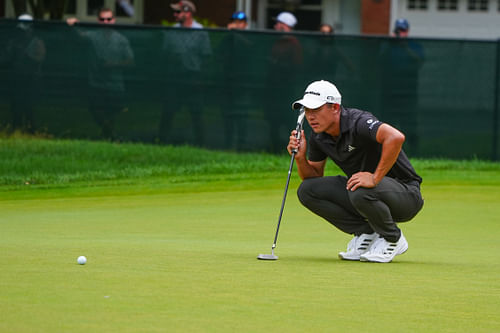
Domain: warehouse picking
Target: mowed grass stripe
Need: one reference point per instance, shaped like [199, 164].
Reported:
[187, 262]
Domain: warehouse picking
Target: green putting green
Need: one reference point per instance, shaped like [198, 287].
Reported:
[185, 261]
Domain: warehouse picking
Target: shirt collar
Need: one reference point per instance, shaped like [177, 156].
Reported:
[344, 126]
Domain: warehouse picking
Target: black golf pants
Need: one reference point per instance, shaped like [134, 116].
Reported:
[364, 210]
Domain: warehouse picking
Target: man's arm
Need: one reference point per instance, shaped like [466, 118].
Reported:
[391, 140]
[306, 168]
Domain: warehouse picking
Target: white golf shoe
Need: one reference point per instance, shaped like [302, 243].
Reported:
[384, 251]
[358, 245]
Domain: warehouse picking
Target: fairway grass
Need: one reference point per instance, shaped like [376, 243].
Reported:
[174, 260]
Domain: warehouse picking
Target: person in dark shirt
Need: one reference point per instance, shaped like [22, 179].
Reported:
[380, 186]
[285, 65]
[400, 62]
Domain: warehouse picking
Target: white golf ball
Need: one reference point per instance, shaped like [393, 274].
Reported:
[81, 260]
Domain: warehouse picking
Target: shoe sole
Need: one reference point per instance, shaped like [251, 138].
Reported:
[347, 258]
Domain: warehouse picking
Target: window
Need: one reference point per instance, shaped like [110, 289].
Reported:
[124, 8]
[126, 11]
[70, 7]
[417, 4]
[477, 5]
[311, 2]
[93, 7]
[448, 5]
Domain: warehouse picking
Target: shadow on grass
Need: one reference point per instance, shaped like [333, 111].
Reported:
[308, 259]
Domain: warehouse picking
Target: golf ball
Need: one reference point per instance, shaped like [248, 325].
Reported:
[81, 260]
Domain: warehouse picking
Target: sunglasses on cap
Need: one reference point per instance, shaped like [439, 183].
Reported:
[108, 19]
[184, 9]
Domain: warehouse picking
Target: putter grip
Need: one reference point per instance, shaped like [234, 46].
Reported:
[297, 135]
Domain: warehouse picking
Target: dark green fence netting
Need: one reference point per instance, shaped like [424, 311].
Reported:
[233, 89]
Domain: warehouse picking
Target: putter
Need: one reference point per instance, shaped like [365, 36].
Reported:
[272, 256]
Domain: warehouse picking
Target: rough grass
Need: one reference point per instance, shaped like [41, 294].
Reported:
[63, 163]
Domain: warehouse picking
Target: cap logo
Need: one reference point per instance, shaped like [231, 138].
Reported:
[329, 98]
[312, 93]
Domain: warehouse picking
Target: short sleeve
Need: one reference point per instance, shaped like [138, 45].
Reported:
[367, 127]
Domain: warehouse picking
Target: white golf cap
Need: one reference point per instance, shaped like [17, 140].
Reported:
[287, 18]
[25, 17]
[317, 94]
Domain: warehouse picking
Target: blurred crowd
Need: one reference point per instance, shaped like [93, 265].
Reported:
[189, 50]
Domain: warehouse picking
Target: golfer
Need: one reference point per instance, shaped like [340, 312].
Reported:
[381, 186]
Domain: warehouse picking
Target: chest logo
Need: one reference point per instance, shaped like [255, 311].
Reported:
[350, 148]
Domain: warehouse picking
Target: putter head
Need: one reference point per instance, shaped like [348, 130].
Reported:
[267, 257]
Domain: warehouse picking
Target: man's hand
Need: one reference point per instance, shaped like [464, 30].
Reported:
[361, 179]
[299, 145]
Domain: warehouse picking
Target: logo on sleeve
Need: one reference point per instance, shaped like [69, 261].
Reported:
[350, 148]
[372, 123]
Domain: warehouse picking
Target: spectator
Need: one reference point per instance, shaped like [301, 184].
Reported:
[285, 66]
[183, 14]
[400, 63]
[110, 55]
[185, 52]
[235, 63]
[285, 22]
[401, 28]
[327, 57]
[326, 29]
[24, 55]
[238, 21]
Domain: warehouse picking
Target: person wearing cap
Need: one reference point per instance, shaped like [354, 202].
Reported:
[24, 52]
[285, 66]
[183, 14]
[185, 54]
[401, 28]
[238, 21]
[380, 186]
[285, 22]
[110, 55]
[400, 61]
[234, 61]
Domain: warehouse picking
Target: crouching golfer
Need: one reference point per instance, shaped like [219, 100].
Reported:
[381, 187]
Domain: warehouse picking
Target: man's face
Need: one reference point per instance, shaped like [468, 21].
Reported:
[279, 26]
[106, 17]
[325, 29]
[181, 15]
[323, 118]
[237, 24]
[402, 33]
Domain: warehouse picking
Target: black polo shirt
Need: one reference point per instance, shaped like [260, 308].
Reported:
[356, 148]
